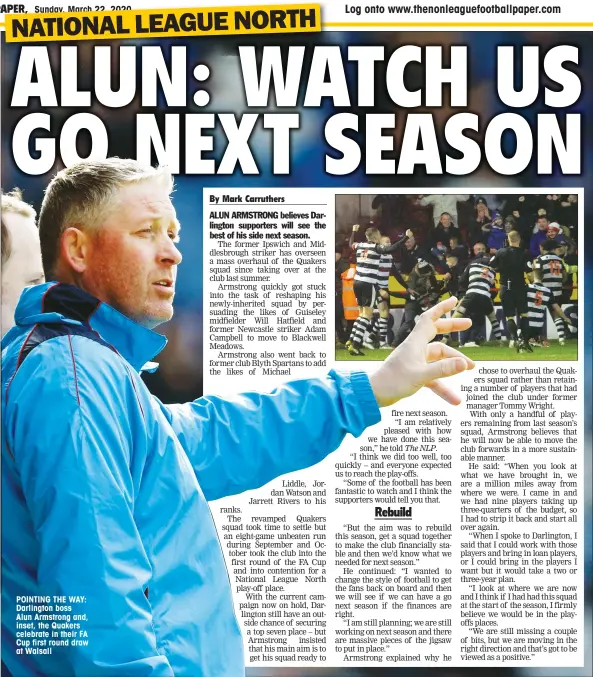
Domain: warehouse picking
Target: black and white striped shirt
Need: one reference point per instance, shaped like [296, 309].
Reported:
[481, 279]
[552, 271]
[538, 298]
[368, 260]
[385, 265]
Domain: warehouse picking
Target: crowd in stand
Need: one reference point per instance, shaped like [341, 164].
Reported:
[451, 230]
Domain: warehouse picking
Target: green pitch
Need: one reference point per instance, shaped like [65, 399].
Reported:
[486, 352]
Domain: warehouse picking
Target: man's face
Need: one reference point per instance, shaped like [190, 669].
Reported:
[551, 234]
[385, 241]
[445, 220]
[479, 249]
[132, 259]
[410, 243]
[23, 267]
[543, 224]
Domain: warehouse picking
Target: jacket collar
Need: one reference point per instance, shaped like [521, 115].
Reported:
[57, 302]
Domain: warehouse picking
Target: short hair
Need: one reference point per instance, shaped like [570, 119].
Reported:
[372, 232]
[514, 236]
[12, 203]
[83, 195]
[551, 245]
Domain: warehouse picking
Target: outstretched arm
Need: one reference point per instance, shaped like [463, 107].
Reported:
[427, 201]
[399, 277]
[355, 228]
[388, 249]
[244, 442]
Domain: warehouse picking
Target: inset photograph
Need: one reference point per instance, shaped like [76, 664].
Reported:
[511, 260]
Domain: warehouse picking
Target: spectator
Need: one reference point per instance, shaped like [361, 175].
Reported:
[498, 237]
[456, 268]
[479, 249]
[442, 204]
[458, 250]
[439, 251]
[417, 218]
[445, 230]
[540, 212]
[551, 203]
[570, 204]
[539, 235]
[391, 208]
[495, 202]
[555, 233]
[521, 208]
[571, 259]
[568, 215]
[516, 204]
[510, 224]
[411, 253]
[480, 226]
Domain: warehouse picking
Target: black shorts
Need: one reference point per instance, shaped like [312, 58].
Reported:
[564, 298]
[365, 293]
[477, 304]
[514, 301]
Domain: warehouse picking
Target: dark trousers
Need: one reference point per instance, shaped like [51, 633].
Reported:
[411, 311]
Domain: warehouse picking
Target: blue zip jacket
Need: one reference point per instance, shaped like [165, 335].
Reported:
[105, 490]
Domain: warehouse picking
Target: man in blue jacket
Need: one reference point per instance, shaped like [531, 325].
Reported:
[104, 488]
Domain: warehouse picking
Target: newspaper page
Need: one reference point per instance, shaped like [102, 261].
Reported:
[323, 475]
